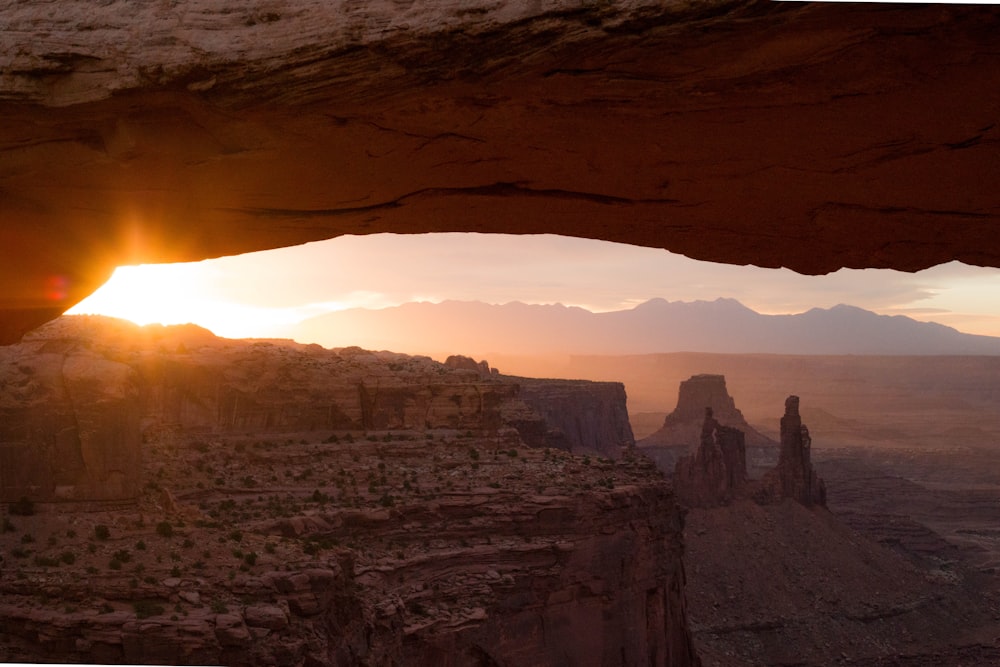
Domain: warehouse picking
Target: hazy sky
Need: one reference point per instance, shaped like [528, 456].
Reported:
[252, 294]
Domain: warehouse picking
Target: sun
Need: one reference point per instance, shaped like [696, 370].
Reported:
[179, 294]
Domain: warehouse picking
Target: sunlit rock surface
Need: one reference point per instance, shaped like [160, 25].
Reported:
[81, 394]
[812, 136]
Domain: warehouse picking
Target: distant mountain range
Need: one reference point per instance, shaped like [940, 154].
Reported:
[723, 325]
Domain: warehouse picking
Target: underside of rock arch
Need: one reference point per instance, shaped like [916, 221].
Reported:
[811, 136]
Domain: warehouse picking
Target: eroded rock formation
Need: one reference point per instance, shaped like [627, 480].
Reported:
[81, 394]
[69, 423]
[684, 425]
[717, 472]
[456, 553]
[844, 134]
[794, 477]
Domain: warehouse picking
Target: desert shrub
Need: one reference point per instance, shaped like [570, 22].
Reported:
[115, 564]
[123, 555]
[236, 535]
[164, 529]
[44, 561]
[8, 527]
[67, 557]
[23, 507]
[102, 532]
[219, 606]
[27, 538]
[250, 558]
[140, 545]
[147, 608]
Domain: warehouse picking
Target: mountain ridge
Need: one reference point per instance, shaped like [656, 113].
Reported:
[654, 326]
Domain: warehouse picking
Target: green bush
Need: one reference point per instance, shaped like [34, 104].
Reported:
[102, 532]
[164, 529]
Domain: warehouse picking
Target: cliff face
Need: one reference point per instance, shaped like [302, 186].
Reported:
[581, 416]
[455, 554]
[69, 424]
[83, 392]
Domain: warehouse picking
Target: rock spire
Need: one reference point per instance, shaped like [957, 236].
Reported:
[794, 477]
[715, 474]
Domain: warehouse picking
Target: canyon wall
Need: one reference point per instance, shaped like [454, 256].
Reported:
[69, 423]
[81, 394]
[581, 416]
[311, 551]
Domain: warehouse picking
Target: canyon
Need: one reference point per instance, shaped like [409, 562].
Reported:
[80, 395]
[287, 504]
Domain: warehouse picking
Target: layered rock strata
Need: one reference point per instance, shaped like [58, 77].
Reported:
[717, 472]
[580, 415]
[683, 428]
[80, 396]
[845, 134]
[684, 425]
[455, 554]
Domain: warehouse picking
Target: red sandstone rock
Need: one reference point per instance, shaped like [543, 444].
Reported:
[717, 472]
[82, 393]
[684, 425]
[794, 477]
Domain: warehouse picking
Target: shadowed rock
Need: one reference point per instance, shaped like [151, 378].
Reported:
[717, 472]
[794, 477]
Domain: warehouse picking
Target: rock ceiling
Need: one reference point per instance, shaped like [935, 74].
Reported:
[811, 136]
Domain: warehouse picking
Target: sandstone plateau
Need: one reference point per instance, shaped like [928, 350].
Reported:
[201, 500]
[79, 397]
[811, 136]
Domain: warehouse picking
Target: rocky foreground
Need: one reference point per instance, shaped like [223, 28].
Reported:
[402, 548]
[178, 498]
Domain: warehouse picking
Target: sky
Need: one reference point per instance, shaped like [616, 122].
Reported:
[256, 294]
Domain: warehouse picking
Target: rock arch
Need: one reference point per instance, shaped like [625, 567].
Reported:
[811, 136]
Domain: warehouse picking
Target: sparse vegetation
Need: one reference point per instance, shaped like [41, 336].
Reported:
[147, 608]
[23, 507]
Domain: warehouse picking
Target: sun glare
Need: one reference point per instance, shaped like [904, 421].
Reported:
[179, 294]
